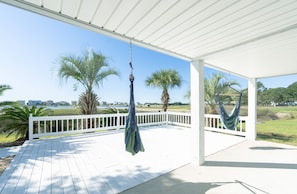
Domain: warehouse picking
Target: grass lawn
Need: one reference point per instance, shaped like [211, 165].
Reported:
[4, 139]
[280, 131]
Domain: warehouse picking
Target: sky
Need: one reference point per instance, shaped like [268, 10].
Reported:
[31, 46]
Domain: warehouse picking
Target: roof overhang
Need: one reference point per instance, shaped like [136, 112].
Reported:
[254, 39]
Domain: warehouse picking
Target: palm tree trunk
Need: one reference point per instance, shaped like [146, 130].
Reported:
[165, 99]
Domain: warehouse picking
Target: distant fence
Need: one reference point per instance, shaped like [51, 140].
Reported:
[58, 125]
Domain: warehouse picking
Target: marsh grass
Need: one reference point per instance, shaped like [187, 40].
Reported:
[60, 112]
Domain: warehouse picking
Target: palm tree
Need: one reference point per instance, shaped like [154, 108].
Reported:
[89, 70]
[2, 89]
[214, 85]
[15, 119]
[164, 79]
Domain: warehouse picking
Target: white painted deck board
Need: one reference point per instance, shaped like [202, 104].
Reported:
[94, 163]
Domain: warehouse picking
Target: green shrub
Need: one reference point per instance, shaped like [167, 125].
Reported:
[15, 119]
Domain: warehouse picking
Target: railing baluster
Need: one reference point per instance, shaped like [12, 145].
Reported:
[44, 126]
[38, 126]
[67, 123]
[72, 124]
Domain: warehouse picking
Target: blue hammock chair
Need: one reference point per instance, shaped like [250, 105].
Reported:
[132, 136]
[231, 120]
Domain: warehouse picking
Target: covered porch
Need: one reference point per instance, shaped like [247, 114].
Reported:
[250, 39]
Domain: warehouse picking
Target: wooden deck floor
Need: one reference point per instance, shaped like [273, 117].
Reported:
[96, 163]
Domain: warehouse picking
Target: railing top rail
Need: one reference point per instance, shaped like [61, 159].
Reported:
[150, 113]
[77, 116]
[179, 113]
[123, 114]
[218, 116]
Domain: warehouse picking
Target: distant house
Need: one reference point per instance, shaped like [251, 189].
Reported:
[21, 102]
[49, 103]
[34, 103]
[62, 103]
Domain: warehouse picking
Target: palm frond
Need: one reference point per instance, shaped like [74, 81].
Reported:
[3, 88]
[14, 119]
[214, 85]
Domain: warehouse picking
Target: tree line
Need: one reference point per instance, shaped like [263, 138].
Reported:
[281, 96]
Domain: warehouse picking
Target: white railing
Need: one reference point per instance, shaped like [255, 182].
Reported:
[178, 118]
[214, 123]
[58, 125]
[151, 118]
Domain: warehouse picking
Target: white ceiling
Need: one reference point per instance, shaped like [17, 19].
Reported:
[250, 38]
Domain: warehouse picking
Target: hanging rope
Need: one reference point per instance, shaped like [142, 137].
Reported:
[130, 63]
[131, 54]
[231, 120]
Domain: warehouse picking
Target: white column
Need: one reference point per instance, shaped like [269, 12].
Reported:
[31, 127]
[197, 110]
[251, 132]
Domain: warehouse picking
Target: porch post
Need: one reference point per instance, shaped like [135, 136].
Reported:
[197, 110]
[31, 127]
[251, 132]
